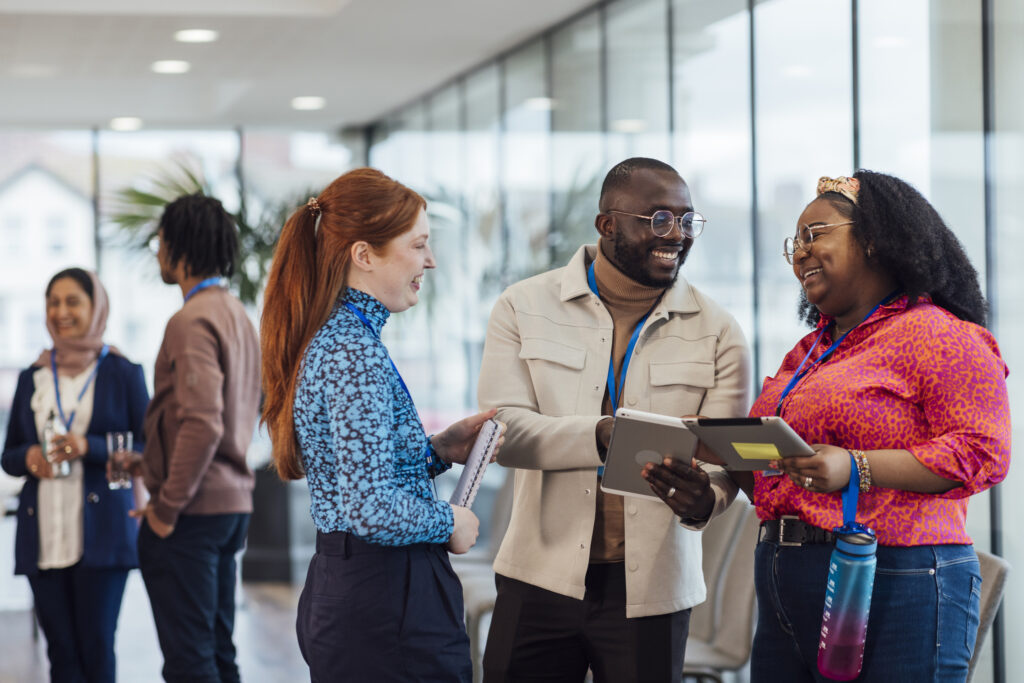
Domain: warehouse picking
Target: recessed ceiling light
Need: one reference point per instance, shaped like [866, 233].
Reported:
[539, 103]
[629, 126]
[798, 71]
[126, 123]
[308, 103]
[33, 70]
[170, 66]
[196, 35]
[890, 41]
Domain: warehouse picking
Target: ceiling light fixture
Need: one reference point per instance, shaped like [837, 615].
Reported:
[125, 123]
[196, 35]
[539, 103]
[170, 66]
[629, 126]
[308, 103]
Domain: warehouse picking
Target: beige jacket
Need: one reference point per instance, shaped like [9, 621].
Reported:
[545, 365]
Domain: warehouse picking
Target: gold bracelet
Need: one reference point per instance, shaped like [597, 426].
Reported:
[863, 469]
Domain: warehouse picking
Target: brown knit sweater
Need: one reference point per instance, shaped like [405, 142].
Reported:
[627, 301]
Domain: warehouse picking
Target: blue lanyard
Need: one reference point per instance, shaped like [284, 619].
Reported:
[208, 282]
[427, 452]
[615, 388]
[56, 385]
[362, 319]
[798, 375]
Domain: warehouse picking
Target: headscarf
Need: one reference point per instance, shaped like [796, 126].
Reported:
[75, 355]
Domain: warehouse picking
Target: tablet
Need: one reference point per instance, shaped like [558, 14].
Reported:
[637, 439]
[748, 443]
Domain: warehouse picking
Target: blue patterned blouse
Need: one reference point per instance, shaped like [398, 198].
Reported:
[362, 442]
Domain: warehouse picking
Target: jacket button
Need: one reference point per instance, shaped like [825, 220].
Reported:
[93, 497]
[31, 511]
[631, 509]
[632, 400]
[633, 566]
[586, 491]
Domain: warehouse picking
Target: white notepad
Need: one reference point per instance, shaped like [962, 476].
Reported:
[476, 463]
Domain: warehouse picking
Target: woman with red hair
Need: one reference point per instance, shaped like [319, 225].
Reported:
[381, 601]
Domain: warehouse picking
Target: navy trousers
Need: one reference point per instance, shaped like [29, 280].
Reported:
[382, 614]
[190, 578]
[77, 610]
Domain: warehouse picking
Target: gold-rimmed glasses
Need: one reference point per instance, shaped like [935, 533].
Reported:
[805, 238]
[691, 223]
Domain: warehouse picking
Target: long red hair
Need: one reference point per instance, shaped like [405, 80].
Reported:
[309, 273]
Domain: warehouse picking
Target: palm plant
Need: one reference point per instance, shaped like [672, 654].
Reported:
[137, 214]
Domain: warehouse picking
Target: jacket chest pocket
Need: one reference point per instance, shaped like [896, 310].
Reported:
[556, 370]
[678, 387]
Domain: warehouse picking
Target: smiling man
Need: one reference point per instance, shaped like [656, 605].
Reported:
[587, 579]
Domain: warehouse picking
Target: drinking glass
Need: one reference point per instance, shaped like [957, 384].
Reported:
[118, 443]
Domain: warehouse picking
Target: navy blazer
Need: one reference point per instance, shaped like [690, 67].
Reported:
[120, 398]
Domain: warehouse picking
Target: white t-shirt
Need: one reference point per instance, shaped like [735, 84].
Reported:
[59, 509]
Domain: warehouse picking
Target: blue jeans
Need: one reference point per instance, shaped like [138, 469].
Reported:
[190, 578]
[922, 625]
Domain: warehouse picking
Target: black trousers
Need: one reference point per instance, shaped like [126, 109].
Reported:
[77, 608]
[190, 579]
[381, 613]
[537, 635]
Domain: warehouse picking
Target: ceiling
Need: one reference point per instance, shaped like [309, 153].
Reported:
[80, 63]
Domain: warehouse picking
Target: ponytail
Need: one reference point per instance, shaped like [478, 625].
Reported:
[307, 277]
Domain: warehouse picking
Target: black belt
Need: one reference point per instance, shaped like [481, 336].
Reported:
[790, 530]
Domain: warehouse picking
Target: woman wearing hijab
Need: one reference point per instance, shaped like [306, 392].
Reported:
[75, 541]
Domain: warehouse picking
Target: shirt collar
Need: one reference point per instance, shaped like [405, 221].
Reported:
[374, 310]
[679, 298]
[886, 310]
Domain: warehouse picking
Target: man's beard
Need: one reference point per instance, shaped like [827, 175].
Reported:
[631, 261]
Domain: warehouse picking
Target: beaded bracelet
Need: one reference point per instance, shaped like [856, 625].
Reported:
[863, 469]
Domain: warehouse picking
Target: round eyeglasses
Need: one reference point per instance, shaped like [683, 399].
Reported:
[805, 239]
[691, 223]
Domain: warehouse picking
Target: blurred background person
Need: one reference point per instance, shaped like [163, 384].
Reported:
[75, 540]
[200, 424]
[381, 601]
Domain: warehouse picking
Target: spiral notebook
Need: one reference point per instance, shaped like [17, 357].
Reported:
[476, 463]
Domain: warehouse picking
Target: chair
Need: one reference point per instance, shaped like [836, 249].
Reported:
[993, 582]
[722, 628]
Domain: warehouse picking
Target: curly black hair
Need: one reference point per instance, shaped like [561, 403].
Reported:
[910, 241]
[196, 228]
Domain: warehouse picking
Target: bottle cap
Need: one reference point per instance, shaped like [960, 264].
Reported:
[855, 539]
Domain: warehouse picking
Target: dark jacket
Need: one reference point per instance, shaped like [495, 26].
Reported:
[119, 404]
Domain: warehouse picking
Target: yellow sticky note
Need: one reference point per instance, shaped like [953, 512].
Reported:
[757, 451]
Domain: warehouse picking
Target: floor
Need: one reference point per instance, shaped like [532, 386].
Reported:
[264, 635]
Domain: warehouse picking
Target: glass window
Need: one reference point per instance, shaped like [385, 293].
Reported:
[1008, 315]
[804, 116]
[638, 83]
[526, 161]
[577, 140]
[711, 146]
[45, 176]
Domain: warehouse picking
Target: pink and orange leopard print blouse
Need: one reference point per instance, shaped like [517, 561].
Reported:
[909, 377]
